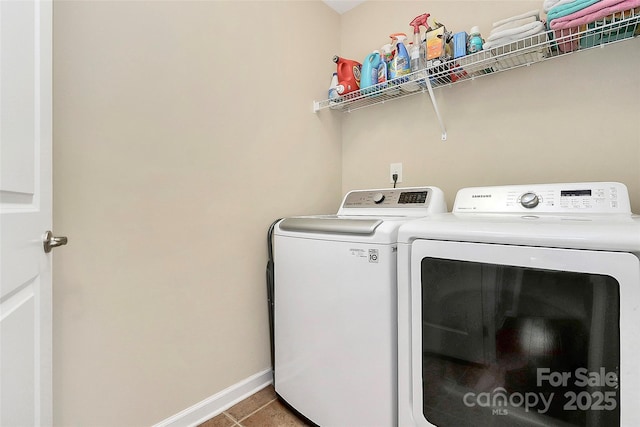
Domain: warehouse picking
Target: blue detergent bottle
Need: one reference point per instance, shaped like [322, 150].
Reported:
[369, 74]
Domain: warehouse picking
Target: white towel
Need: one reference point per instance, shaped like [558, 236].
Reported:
[515, 33]
[514, 24]
[535, 13]
[509, 36]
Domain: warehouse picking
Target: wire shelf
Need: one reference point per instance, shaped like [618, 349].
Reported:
[547, 45]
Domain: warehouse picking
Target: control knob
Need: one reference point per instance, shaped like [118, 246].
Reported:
[378, 198]
[529, 200]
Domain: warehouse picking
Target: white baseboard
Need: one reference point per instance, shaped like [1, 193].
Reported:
[214, 405]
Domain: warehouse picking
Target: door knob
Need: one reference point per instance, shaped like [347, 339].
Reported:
[50, 241]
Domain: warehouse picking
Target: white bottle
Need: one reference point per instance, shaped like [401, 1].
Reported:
[334, 92]
[417, 60]
[387, 57]
[416, 65]
[333, 87]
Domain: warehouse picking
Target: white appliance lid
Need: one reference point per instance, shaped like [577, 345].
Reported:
[367, 216]
[593, 216]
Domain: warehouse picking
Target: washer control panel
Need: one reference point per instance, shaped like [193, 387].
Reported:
[394, 201]
[386, 198]
[585, 197]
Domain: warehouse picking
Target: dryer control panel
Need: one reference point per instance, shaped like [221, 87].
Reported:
[584, 197]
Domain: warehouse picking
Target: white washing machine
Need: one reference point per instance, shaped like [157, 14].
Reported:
[521, 308]
[335, 306]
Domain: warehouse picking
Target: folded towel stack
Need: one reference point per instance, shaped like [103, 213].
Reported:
[547, 5]
[565, 18]
[591, 11]
[568, 8]
[515, 28]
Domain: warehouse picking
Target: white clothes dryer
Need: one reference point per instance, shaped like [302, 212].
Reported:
[521, 308]
[335, 317]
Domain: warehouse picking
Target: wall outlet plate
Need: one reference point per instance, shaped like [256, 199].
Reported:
[395, 168]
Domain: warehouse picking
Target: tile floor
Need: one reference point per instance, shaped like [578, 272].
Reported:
[263, 409]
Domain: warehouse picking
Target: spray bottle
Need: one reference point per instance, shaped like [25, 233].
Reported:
[348, 75]
[401, 62]
[418, 51]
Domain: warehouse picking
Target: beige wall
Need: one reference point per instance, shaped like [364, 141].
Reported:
[172, 156]
[574, 118]
[181, 131]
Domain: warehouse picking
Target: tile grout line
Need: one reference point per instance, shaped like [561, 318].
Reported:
[254, 412]
[233, 420]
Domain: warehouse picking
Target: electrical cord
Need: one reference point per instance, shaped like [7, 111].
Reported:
[395, 179]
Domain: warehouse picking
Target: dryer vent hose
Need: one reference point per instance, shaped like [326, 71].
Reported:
[271, 289]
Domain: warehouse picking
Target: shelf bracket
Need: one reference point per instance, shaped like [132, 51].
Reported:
[435, 108]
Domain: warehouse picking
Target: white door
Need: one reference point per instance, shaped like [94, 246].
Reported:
[25, 212]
